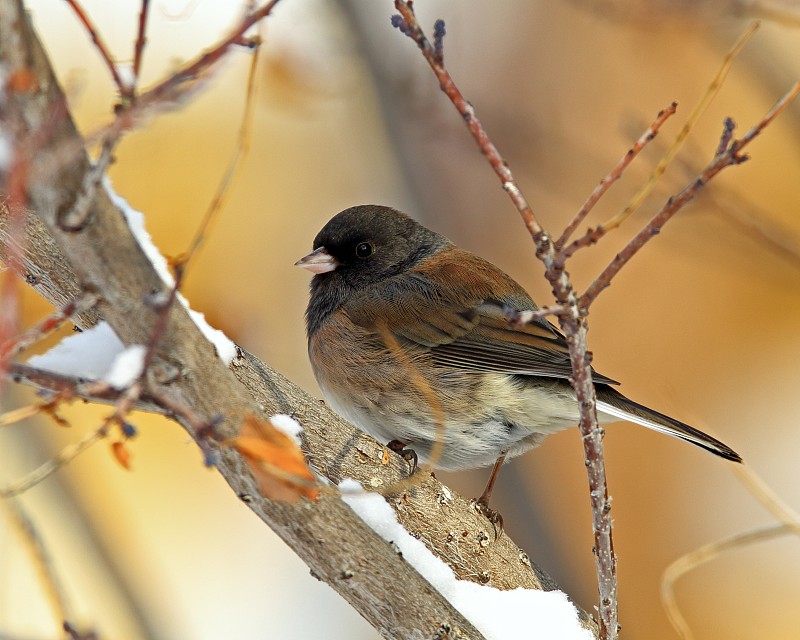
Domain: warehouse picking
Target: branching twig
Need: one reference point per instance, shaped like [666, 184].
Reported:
[100, 45]
[572, 309]
[593, 235]
[729, 153]
[521, 318]
[605, 184]
[123, 406]
[699, 109]
[171, 89]
[54, 401]
[407, 23]
[60, 383]
[572, 321]
[326, 534]
[22, 341]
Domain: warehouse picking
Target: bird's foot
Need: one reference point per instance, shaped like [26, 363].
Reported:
[481, 505]
[409, 455]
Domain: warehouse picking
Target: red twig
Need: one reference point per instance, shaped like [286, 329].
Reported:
[141, 40]
[100, 45]
[729, 152]
[605, 184]
[407, 23]
[213, 55]
[22, 341]
[171, 89]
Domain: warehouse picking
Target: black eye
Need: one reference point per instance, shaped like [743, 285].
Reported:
[363, 250]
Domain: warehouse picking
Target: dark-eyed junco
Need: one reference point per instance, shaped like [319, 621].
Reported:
[398, 312]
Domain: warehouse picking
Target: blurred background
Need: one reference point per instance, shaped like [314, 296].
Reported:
[702, 324]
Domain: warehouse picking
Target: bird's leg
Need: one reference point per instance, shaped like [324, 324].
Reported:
[482, 503]
[409, 455]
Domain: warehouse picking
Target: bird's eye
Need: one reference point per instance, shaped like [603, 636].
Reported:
[363, 250]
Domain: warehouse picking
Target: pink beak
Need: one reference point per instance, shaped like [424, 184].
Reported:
[318, 261]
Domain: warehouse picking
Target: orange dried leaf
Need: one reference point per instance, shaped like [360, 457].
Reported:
[275, 461]
[121, 453]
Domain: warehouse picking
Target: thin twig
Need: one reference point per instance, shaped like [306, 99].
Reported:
[573, 322]
[705, 554]
[22, 341]
[431, 400]
[605, 184]
[744, 217]
[141, 40]
[761, 491]
[49, 407]
[168, 92]
[53, 587]
[125, 402]
[100, 45]
[699, 109]
[236, 161]
[789, 524]
[178, 84]
[51, 381]
[519, 319]
[730, 155]
[407, 23]
[64, 457]
[773, 113]
[18, 415]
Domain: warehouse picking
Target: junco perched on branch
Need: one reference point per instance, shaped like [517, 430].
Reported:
[409, 339]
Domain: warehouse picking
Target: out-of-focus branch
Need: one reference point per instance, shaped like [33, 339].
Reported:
[63, 457]
[234, 164]
[605, 184]
[99, 44]
[53, 587]
[789, 524]
[683, 134]
[141, 40]
[729, 153]
[174, 88]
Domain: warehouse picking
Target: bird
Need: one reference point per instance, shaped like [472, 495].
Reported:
[409, 338]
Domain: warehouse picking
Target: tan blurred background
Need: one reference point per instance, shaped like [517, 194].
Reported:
[703, 324]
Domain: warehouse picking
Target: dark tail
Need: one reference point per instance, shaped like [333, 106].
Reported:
[613, 403]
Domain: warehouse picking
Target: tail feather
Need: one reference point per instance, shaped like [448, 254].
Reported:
[613, 403]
